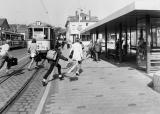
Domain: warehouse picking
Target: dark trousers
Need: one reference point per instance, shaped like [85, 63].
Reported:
[52, 65]
[3, 60]
[97, 56]
[92, 53]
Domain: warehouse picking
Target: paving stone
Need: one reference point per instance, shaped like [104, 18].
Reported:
[104, 88]
[12, 112]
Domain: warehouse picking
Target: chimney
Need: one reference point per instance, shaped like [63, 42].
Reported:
[76, 13]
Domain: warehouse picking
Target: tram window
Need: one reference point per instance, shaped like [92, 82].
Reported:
[19, 37]
[46, 33]
[22, 37]
[38, 29]
[30, 33]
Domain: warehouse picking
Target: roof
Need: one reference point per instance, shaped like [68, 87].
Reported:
[2, 21]
[127, 16]
[39, 24]
[76, 18]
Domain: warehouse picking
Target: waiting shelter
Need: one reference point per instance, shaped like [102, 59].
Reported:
[134, 27]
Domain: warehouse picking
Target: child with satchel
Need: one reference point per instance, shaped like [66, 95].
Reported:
[54, 62]
[32, 49]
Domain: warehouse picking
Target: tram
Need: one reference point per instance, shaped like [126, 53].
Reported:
[16, 39]
[44, 35]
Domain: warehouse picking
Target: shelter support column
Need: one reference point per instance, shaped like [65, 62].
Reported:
[94, 37]
[126, 43]
[130, 41]
[97, 34]
[120, 43]
[106, 39]
[136, 41]
[91, 35]
[148, 40]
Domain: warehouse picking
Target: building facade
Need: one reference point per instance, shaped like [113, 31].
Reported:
[75, 24]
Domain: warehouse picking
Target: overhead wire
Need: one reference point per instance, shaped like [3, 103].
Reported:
[46, 11]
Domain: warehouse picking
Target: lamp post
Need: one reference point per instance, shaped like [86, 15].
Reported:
[79, 26]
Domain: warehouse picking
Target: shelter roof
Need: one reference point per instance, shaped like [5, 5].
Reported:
[128, 15]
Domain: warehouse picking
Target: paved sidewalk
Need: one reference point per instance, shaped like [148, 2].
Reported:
[103, 88]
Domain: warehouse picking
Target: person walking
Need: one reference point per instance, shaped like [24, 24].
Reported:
[63, 42]
[54, 63]
[5, 56]
[97, 51]
[90, 50]
[32, 49]
[77, 54]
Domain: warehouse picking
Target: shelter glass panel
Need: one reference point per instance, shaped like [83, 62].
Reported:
[155, 37]
[155, 32]
[141, 43]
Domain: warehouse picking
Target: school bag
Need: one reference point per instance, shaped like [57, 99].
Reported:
[13, 61]
[38, 58]
[71, 54]
[51, 54]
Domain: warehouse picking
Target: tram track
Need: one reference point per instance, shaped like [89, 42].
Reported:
[7, 76]
[20, 91]
[15, 71]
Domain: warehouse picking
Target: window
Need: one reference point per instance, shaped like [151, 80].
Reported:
[8, 36]
[45, 33]
[38, 33]
[86, 18]
[86, 24]
[38, 29]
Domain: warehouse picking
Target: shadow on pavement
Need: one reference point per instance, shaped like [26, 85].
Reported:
[19, 72]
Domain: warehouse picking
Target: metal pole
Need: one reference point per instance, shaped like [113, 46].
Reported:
[79, 35]
[106, 39]
[148, 39]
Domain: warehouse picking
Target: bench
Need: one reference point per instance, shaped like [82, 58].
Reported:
[112, 53]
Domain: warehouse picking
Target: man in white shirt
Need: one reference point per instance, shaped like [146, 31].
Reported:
[77, 54]
[4, 56]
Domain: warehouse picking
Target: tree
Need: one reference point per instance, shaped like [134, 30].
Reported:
[59, 31]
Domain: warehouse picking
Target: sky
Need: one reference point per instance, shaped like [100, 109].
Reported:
[55, 12]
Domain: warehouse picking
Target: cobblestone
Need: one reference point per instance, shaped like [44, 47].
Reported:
[27, 103]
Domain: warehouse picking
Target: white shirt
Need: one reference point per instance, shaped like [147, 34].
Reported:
[78, 53]
[4, 49]
[33, 49]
